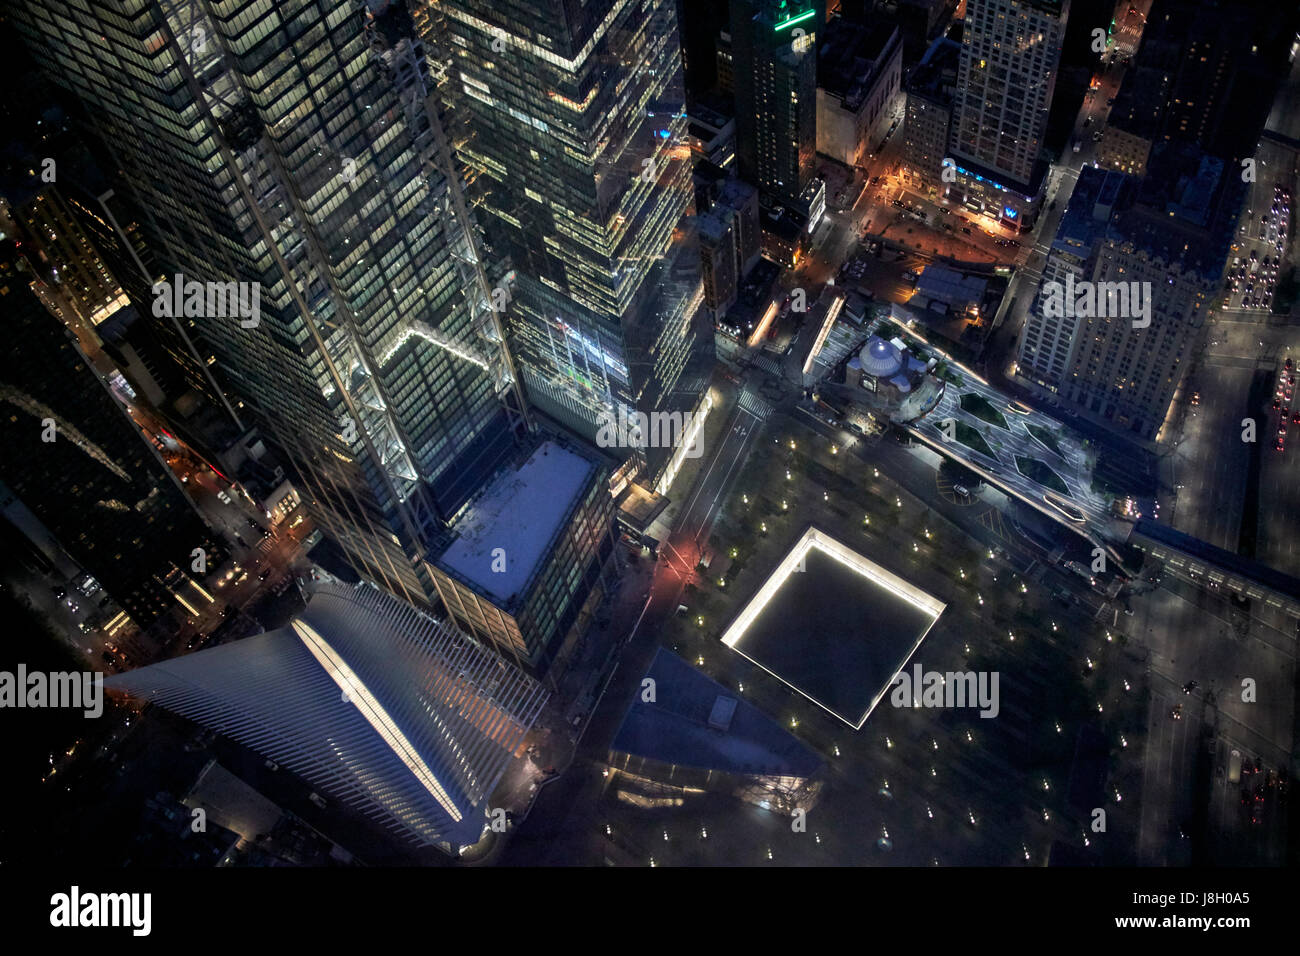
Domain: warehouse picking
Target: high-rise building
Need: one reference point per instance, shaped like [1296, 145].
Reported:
[742, 199]
[1048, 342]
[718, 260]
[859, 74]
[774, 55]
[396, 715]
[1167, 246]
[1205, 73]
[571, 121]
[289, 154]
[91, 488]
[533, 557]
[1010, 53]
[76, 285]
[927, 127]
[83, 242]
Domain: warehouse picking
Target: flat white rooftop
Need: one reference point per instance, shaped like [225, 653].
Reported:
[518, 512]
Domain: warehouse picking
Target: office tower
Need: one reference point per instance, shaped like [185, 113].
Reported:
[926, 129]
[377, 705]
[742, 199]
[292, 149]
[57, 202]
[572, 124]
[1205, 73]
[730, 238]
[859, 72]
[1169, 244]
[718, 260]
[75, 284]
[82, 482]
[774, 53]
[724, 64]
[1010, 52]
[533, 557]
[699, 27]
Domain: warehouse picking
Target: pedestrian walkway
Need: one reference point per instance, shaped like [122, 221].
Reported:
[759, 407]
[769, 364]
[695, 386]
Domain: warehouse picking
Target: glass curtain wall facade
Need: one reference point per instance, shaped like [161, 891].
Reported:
[292, 144]
[572, 126]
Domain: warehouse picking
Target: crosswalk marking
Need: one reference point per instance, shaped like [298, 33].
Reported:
[768, 364]
[695, 386]
[754, 405]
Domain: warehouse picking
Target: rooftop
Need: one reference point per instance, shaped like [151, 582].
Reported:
[941, 282]
[851, 56]
[936, 74]
[519, 512]
[696, 722]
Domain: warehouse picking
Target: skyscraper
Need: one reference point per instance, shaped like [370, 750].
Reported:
[1174, 240]
[926, 131]
[292, 149]
[399, 716]
[774, 50]
[1009, 58]
[572, 125]
[1049, 341]
[91, 486]
[1205, 73]
[1166, 238]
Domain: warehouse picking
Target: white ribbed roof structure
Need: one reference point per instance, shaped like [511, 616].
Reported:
[398, 715]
